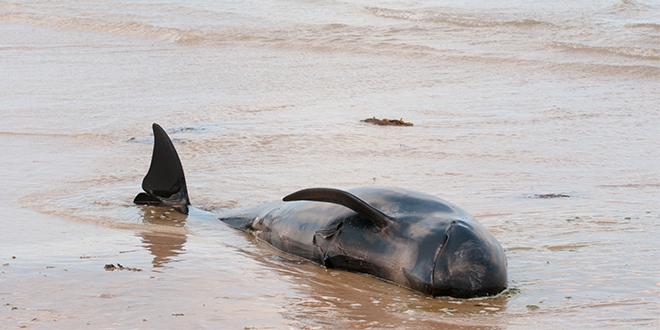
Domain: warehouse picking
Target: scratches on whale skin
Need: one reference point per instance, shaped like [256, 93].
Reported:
[329, 232]
[461, 264]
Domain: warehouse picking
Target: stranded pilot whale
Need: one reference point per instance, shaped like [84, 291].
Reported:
[409, 238]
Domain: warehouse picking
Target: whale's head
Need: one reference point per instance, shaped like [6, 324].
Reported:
[449, 257]
[469, 262]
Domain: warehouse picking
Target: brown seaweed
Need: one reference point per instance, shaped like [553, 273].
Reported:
[387, 122]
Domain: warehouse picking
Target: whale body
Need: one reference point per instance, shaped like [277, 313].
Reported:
[412, 239]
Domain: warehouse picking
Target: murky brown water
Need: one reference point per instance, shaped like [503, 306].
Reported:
[509, 101]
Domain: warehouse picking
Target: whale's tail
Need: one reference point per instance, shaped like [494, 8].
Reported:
[165, 183]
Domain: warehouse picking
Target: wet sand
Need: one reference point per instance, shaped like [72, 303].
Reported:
[262, 108]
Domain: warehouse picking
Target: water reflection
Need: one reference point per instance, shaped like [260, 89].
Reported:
[166, 238]
[329, 297]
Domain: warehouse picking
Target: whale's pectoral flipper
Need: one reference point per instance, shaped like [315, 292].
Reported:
[344, 198]
[165, 183]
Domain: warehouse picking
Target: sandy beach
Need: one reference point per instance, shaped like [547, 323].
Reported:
[539, 119]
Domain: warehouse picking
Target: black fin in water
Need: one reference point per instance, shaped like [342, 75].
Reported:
[343, 198]
[165, 183]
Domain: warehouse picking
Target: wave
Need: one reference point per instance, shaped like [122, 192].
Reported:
[653, 26]
[635, 52]
[96, 25]
[435, 16]
[320, 37]
[629, 6]
[647, 185]
[642, 71]
[335, 38]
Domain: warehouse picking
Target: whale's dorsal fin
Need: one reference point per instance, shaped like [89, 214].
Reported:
[165, 183]
[344, 198]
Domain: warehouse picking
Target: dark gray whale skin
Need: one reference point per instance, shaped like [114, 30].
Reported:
[430, 245]
[409, 238]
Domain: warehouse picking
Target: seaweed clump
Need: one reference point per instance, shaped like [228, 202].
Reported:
[387, 122]
[546, 196]
[112, 268]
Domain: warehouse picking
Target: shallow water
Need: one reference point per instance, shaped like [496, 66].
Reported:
[509, 101]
